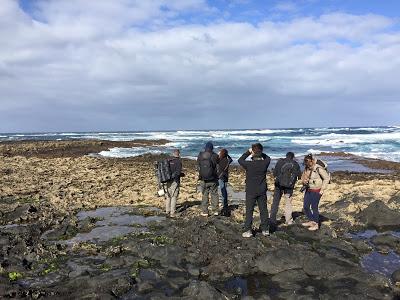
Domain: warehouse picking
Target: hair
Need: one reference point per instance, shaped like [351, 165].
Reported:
[308, 157]
[223, 153]
[290, 155]
[257, 148]
[209, 147]
[176, 152]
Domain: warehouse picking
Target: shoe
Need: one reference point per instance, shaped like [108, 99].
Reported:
[247, 234]
[314, 227]
[216, 213]
[308, 224]
[172, 216]
[265, 233]
[203, 214]
[289, 223]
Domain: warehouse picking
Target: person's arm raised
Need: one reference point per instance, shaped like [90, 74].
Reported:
[242, 159]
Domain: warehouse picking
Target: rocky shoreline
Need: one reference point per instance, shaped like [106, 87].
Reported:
[75, 226]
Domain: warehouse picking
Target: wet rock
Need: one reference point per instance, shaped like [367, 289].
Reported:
[280, 260]
[395, 276]
[377, 215]
[387, 241]
[144, 287]
[122, 286]
[21, 213]
[361, 246]
[194, 271]
[326, 268]
[201, 290]
[291, 279]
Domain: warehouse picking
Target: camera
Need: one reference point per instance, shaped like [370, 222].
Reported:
[304, 188]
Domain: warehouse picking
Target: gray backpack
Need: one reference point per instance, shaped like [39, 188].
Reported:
[287, 175]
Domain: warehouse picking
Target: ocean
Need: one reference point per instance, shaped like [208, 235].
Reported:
[369, 142]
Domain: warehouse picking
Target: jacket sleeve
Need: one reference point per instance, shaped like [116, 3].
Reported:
[179, 168]
[277, 168]
[242, 160]
[325, 178]
[305, 177]
[267, 161]
[298, 170]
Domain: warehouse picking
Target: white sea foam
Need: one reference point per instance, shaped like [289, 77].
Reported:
[128, 152]
[333, 139]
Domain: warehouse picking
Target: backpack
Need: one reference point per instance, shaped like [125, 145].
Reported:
[164, 173]
[324, 165]
[287, 176]
[206, 169]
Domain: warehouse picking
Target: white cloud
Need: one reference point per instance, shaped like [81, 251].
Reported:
[121, 64]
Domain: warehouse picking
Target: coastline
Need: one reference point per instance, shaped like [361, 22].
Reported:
[44, 189]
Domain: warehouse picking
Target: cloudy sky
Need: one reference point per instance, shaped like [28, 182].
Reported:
[96, 65]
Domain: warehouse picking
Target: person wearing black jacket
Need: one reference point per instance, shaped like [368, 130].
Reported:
[173, 186]
[286, 172]
[207, 163]
[223, 176]
[256, 187]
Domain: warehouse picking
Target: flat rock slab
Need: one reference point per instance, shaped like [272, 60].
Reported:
[377, 215]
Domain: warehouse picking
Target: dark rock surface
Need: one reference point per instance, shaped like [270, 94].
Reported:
[189, 258]
[380, 217]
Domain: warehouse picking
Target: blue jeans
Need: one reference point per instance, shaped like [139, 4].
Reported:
[224, 192]
[311, 202]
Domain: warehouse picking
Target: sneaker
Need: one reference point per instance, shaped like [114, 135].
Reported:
[216, 213]
[265, 233]
[290, 222]
[308, 224]
[314, 227]
[203, 214]
[247, 234]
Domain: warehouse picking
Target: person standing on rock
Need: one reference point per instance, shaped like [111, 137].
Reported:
[286, 173]
[223, 176]
[315, 179]
[173, 186]
[208, 162]
[256, 187]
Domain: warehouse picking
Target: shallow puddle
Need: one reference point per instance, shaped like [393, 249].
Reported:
[384, 264]
[252, 285]
[112, 222]
[376, 262]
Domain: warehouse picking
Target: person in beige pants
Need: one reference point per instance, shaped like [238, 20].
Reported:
[173, 186]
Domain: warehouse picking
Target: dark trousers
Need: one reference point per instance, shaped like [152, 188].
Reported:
[261, 201]
[224, 193]
[210, 188]
[311, 202]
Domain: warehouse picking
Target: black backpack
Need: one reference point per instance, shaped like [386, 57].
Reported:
[206, 168]
[287, 176]
[164, 173]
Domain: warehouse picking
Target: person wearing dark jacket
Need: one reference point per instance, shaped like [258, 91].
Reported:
[287, 172]
[223, 176]
[208, 163]
[256, 187]
[173, 186]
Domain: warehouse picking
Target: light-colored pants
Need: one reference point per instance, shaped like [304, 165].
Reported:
[171, 196]
[210, 188]
[287, 194]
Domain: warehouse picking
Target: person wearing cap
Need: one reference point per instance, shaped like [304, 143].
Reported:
[207, 164]
[256, 187]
